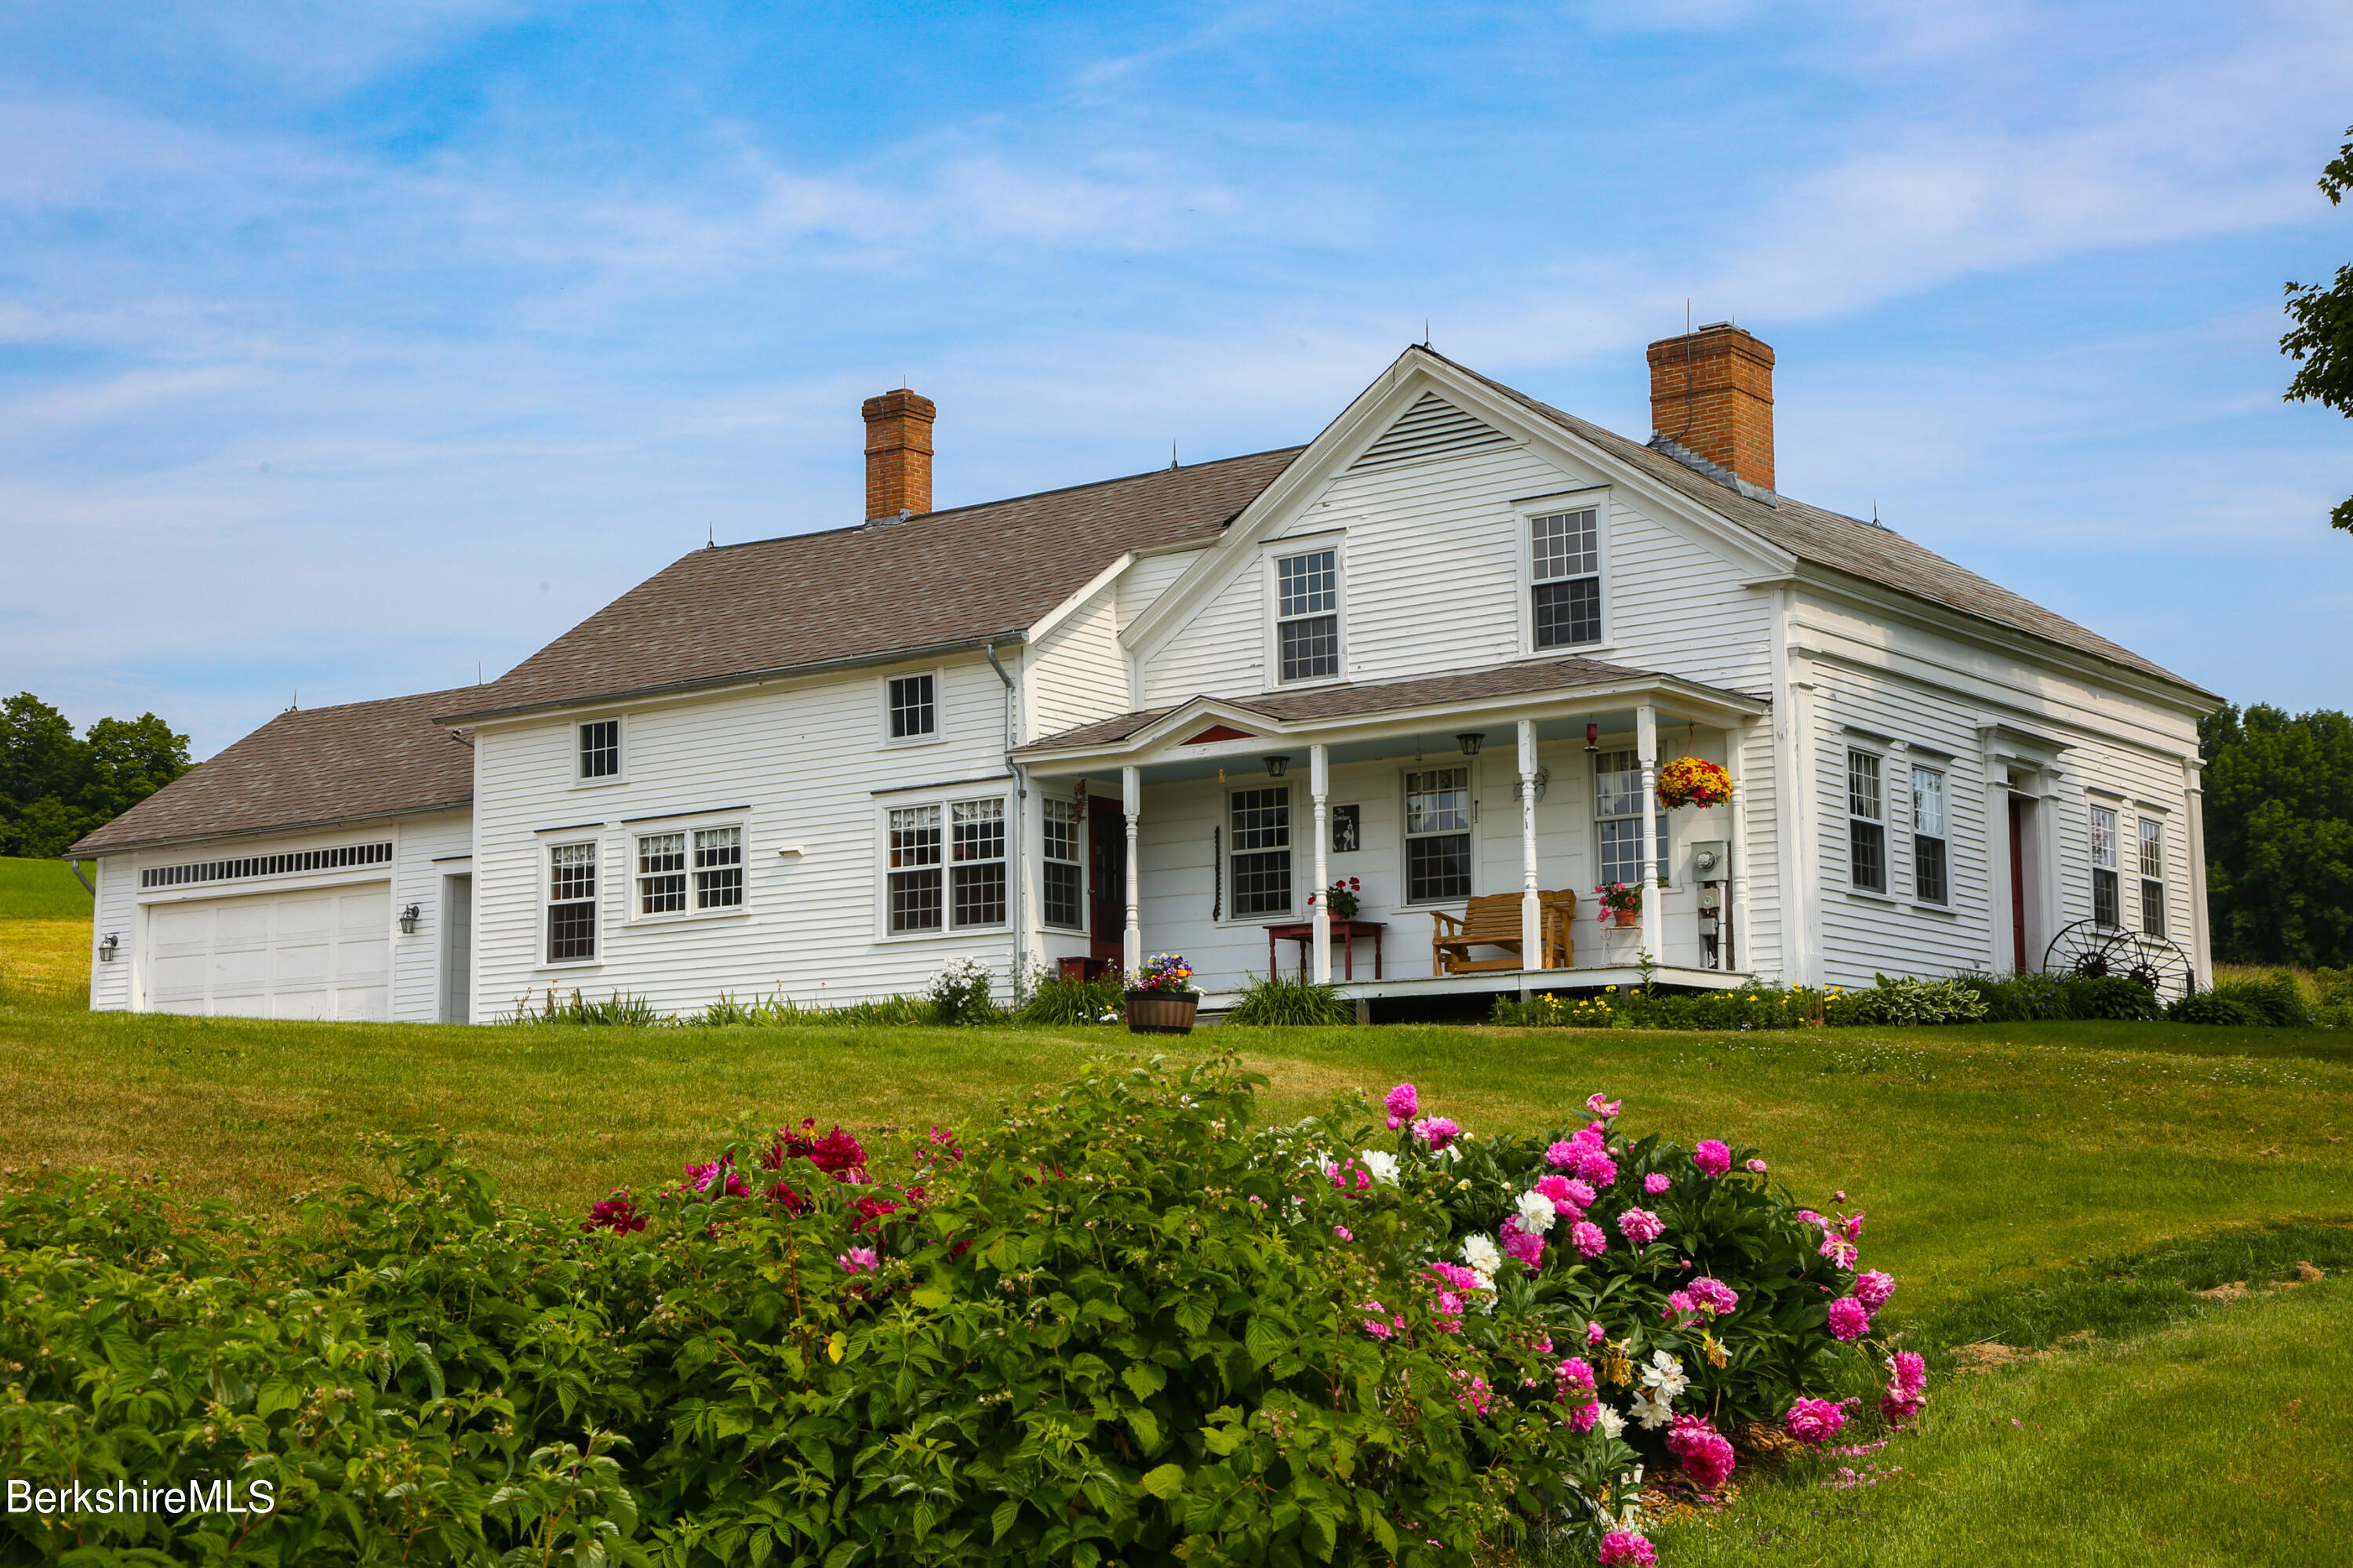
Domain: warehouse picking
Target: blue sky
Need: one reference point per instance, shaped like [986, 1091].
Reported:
[345, 346]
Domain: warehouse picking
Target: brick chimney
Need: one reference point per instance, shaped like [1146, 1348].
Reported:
[1712, 395]
[897, 453]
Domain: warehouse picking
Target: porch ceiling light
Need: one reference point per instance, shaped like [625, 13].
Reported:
[1276, 767]
[408, 921]
[1471, 741]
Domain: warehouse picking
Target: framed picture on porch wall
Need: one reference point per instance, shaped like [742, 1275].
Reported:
[1347, 828]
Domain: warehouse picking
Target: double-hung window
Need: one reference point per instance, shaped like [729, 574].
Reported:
[976, 876]
[600, 749]
[718, 868]
[1438, 834]
[1065, 893]
[661, 874]
[1307, 615]
[1928, 862]
[914, 710]
[1261, 851]
[1866, 823]
[1565, 558]
[671, 879]
[2152, 876]
[913, 888]
[2105, 902]
[1617, 799]
[571, 902]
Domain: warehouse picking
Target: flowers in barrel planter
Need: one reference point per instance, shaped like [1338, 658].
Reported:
[1340, 899]
[1164, 972]
[1693, 781]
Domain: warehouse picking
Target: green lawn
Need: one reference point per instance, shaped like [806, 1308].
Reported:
[1992, 1159]
[41, 890]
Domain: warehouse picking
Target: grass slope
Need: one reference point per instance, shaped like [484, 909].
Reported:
[41, 890]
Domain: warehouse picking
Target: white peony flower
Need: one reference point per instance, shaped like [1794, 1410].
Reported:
[1654, 1409]
[1384, 1167]
[1482, 1253]
[1613, 1424]
[1665, 1374]
[1536, 1212]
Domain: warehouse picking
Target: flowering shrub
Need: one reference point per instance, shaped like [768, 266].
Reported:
[1904, 1001]
[959, 993]
[1693, 781]
[1750, 1006]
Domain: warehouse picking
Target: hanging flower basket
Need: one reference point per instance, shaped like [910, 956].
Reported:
[1693, 781]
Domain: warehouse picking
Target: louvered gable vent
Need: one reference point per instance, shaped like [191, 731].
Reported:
[1433, 428]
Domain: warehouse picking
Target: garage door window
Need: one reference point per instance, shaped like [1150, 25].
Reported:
[571, 902]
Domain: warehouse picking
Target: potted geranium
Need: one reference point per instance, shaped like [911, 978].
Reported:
[1620, 901]
[1693, 781]
[1160, 996]
[1340, 899]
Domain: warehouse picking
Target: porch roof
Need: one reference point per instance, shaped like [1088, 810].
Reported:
[1307, 708]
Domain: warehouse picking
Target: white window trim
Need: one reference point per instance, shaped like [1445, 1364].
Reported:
[1847, 751]
[1912, 813]
[2163, 878]
[579, 780]
[1302, 857]
[2116, 868]
[1277, 550]
[939, 709]
[550, 842]
[1079, 828]
[1405, 880]
[690, 914]
[948, 931]
[1523, 517]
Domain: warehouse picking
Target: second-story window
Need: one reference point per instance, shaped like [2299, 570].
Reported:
[2105, 903]
[1307, 615]
[914, 710]
[2152, 876]
[1565, 559]
[1866, 825]
[600, 749]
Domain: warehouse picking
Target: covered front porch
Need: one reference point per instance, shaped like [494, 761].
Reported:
[1468, 817]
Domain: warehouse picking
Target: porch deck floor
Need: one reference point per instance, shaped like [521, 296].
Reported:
[1532, 981]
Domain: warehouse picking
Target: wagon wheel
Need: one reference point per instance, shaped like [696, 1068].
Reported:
[2153, 961]
[2085, 949]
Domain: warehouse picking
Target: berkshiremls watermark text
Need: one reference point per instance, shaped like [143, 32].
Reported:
[77, 1500]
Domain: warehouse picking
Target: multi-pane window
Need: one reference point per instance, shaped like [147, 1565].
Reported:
[571, 902]
[1064, 892]
[914, 708]
[1618, 799]
[661, 874]
[914, 876]
[2152, 876]
[718, 868]
[1307, 615]
[600, 749]
[976, 877]
[1438, 834]
[1928, 878]
[1261, 851]
[2105, 902]
[1866, 824]
[1565, 551]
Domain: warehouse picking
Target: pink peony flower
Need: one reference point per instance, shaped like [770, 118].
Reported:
[1582, 1419]
[1624, 1549]
[1455, 1276]
[1680, 1305]
[1838, 1250]
[1436, 1131]
[1655, 1184]
[1340, 1175]
[1853, 1224]
[1814, 1422]
[1601, 1106]
[1555, 1190]
[1640, 1226]
[1589, 1239]
[1907, 1374]
[1581, 1194]
[1403, 1102]
[1808, 1217]
[1757, 1166]
[1850, 1320]
[1873, 1289]
[1714, 1295]
[1562, 1156]
[1526, 1246]
[1344, 1233]
[1573, 1375]
[1594, 1333]
[1374, 1326]
[618, 1213]
[1707, 1458]
[859, 1260]
[1475, 1393]
[1597, 1168]
[1448, 1312]
[1712, 1156]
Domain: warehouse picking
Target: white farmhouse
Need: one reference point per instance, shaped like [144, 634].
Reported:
[1438, 654]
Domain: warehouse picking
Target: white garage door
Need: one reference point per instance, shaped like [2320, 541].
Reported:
[326, 953]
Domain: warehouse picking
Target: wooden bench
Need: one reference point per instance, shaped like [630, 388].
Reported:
[1493, 921]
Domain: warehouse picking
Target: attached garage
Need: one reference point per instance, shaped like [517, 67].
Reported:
[317, 953]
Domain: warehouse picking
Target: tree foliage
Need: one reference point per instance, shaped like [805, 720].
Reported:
[56, 786]
[2279, 835]
[2321, 341]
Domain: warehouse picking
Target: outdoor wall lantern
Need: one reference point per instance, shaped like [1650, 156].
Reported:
[408, 921]
[106, 949]
[1276, 767]
[1471, 741]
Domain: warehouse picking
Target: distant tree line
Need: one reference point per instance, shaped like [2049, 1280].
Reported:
[56, 786]
[2279, 835]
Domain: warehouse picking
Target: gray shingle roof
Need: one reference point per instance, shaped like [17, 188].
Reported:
[309, 769]
[1385, 696]
[933, 581]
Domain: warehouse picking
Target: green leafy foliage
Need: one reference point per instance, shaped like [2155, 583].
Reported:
[1749, 1006]
[1053, 999]
[1907, 1001]
[1294, 1000]
[2321, 337]
[2272, 1002]
[56, 787]
[2279, 835]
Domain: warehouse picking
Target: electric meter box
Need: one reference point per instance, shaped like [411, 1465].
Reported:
[1711, 860]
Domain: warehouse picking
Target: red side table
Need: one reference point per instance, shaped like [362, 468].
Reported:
[1345, 931]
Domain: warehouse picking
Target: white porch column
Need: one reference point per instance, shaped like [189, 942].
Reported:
[1646, 748]
[1131, 784]
[1319, 789]
[2201, 935]
[1532, 952]
[1732, 925]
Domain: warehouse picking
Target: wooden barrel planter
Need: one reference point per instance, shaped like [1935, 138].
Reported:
[1162, 1011]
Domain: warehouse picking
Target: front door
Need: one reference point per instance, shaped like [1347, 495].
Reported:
[2018, 883]
[1106, 879]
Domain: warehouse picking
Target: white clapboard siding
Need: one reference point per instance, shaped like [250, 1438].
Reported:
[417, 874]
[1077, 673]
[1147, 578]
